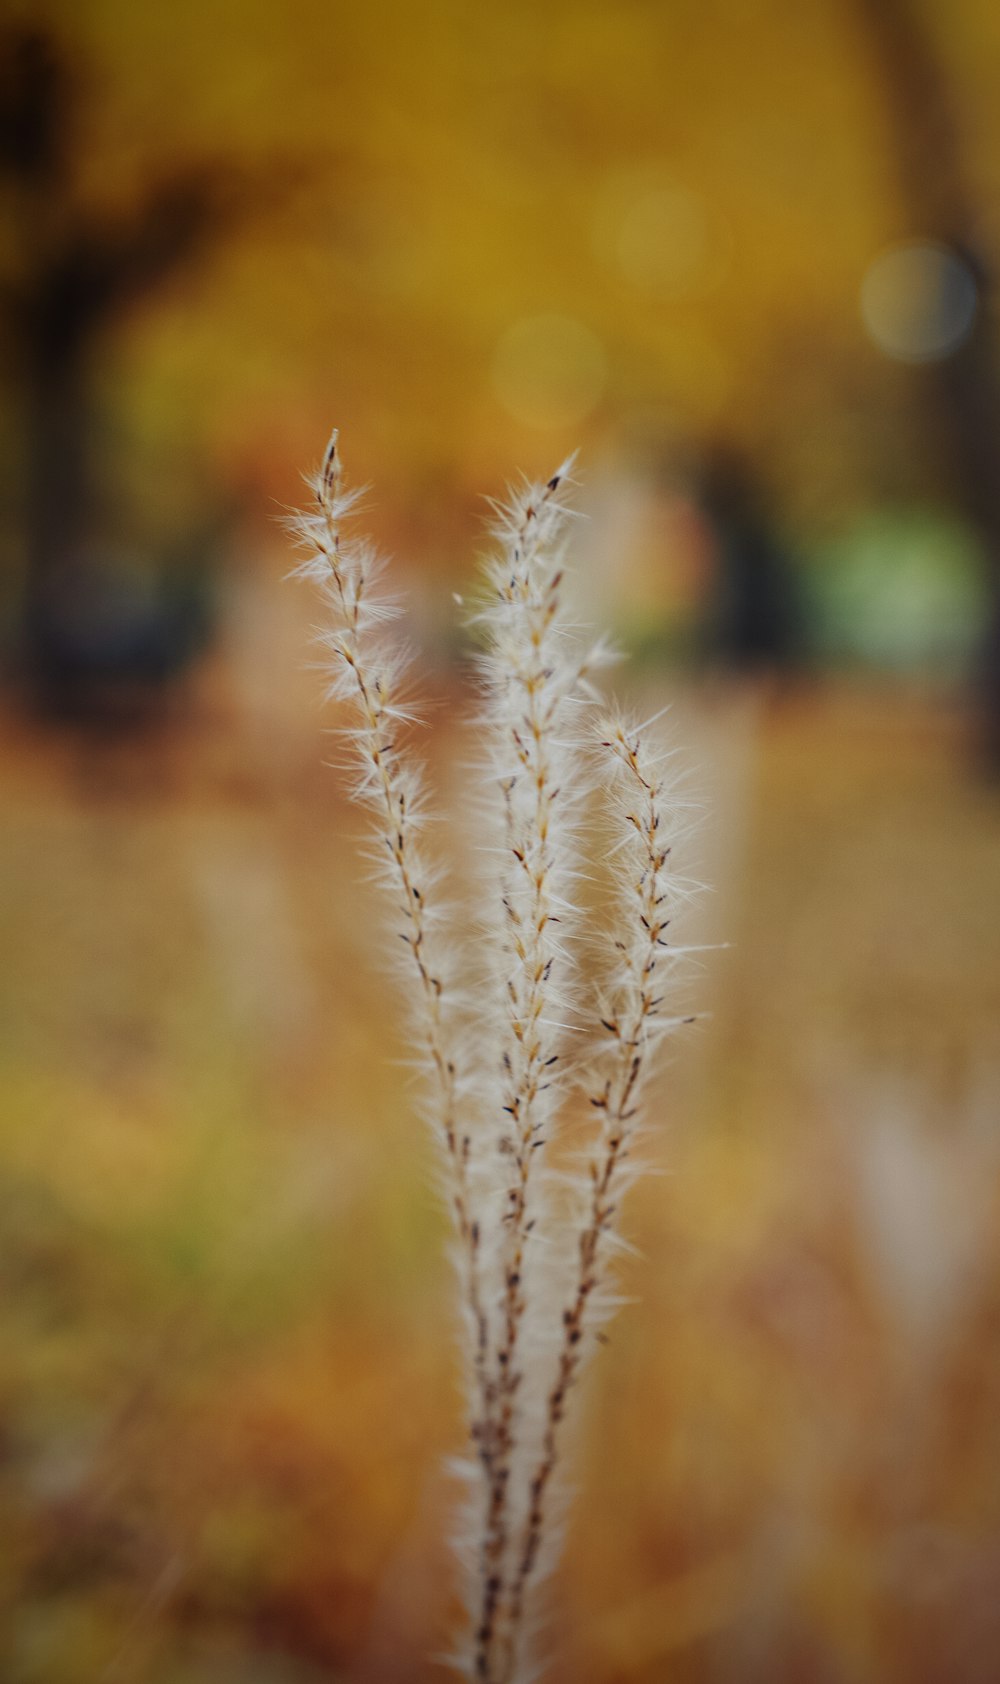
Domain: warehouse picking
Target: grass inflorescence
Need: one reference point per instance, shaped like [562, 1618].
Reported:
[531, 1051]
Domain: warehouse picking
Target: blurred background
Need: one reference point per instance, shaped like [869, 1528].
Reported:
[743, 254]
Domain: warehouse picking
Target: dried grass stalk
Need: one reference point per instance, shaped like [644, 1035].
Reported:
[534, 1248]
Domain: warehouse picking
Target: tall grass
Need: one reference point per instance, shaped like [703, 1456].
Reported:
[535, 1059]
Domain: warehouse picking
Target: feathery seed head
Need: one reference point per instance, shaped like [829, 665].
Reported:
[533, 1239]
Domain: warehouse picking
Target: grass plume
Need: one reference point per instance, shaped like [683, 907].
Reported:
[533, 1264]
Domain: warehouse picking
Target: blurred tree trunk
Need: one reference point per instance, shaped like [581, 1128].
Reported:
[76, 273]
[962, 391]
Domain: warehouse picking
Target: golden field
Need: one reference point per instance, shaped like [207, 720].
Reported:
[227, 1380]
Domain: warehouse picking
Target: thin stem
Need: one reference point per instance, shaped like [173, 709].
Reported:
[531, 678]
[348, 585]
[617, 1102]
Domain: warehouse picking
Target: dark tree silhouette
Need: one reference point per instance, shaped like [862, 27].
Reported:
[754, 622]
[76, 275]
[961, 393]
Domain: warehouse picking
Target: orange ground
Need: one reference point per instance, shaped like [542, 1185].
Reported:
[226, 1383]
